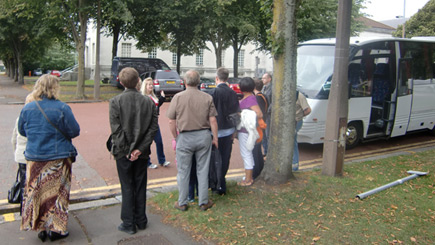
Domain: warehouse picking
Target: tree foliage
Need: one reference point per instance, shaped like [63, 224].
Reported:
[25, 33]
[116, 18]
[420, 24]
[72, 17]
[314, 18]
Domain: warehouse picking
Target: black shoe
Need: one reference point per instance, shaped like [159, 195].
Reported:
[142, 226]
[129, 230]
[53, 236]
[42, 235]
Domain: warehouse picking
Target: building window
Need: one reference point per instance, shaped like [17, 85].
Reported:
[200, 58]
[241, 60]
[174, 58]
[126, 50]
[153, 53]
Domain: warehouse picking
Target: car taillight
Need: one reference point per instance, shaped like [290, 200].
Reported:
[202, 86]
[182, 82]
[117, 78]
[156, 82]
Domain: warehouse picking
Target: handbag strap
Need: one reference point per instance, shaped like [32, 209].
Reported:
[52, 124]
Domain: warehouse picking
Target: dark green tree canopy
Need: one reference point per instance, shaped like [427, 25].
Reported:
[420, 24]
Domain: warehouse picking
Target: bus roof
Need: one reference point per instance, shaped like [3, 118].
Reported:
[357, 41]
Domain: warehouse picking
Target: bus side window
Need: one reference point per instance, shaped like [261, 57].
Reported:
[358, 83]
[405, 84]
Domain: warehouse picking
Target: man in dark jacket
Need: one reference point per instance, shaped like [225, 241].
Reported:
[226, 103]
[133, 121]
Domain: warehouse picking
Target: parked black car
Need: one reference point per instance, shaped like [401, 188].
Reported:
[141, 65]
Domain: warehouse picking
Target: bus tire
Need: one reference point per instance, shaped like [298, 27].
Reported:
[353, 135]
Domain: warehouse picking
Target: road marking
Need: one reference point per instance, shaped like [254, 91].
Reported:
[9, 217]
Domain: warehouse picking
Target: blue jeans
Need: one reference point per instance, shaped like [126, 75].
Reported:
[159, 148]
[296, 149]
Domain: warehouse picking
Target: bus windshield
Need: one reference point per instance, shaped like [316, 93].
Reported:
[315, 65]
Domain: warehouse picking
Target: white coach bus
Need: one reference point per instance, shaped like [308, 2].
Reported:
[391, 87]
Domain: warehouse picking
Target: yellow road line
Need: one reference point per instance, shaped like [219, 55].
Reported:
[9, 217]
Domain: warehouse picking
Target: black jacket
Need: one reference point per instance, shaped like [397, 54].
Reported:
[226, 102]
[133, 121]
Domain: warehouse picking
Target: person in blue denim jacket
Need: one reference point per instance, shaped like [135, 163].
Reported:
[49, 153]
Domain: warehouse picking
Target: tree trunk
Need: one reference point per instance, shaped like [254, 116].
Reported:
[235, 59]
[179, 59]
[19, 63]
[97, 56]
[278, 167]
[116, 31]
[80, 93]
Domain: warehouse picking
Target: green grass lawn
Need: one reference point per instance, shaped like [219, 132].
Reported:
[319, 209]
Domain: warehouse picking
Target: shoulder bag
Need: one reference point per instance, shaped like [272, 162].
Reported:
[14, 194]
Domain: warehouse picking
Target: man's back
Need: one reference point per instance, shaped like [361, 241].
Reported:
[132, 115]
[226, 102]
[192, 109]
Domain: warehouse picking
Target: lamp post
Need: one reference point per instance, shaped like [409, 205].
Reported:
[404, 19]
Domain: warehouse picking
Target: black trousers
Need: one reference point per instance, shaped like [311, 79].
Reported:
[22, 170]
[258, 160]
[225, 148]
[133, 180]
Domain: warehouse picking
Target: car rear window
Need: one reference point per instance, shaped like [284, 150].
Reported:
[167, 75]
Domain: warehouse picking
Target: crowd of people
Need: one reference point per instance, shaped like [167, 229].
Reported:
[198, 123]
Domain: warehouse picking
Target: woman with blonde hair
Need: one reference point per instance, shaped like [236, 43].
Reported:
[49, 126]
[147, 89]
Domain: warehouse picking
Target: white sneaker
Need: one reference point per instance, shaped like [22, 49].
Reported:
[165, 164]
[153, 166]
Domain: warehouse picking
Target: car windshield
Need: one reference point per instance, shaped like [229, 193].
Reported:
[314, 68]
[167, 75]
[206, 80]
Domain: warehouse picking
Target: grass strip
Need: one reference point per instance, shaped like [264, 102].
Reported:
[319, 209]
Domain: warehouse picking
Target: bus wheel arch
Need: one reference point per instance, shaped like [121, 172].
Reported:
[353, 134]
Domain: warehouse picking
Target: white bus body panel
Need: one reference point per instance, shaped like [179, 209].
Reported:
[403, 109]
[313, 129]
[423, 106]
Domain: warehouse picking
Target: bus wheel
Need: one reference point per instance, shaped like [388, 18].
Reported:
[353, 135]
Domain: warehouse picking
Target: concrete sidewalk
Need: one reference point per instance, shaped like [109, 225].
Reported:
[96, 222]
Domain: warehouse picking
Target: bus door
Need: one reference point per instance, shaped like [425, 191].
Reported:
[380, 66]
[403, 98]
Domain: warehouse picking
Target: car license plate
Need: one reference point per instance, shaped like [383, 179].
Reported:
[212, 86]
[170, 82]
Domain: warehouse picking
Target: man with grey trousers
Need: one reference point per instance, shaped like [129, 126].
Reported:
[193, 114]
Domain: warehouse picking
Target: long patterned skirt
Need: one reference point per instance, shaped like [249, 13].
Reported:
[46, 196]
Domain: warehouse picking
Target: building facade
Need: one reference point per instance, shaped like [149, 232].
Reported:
[251, 63]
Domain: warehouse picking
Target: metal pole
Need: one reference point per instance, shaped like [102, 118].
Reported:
[336, 120]
[414, 175]
[404, 19]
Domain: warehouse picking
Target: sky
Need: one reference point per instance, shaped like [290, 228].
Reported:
[389, 9]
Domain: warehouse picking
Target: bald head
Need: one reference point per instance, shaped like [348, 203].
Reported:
[192, 78]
